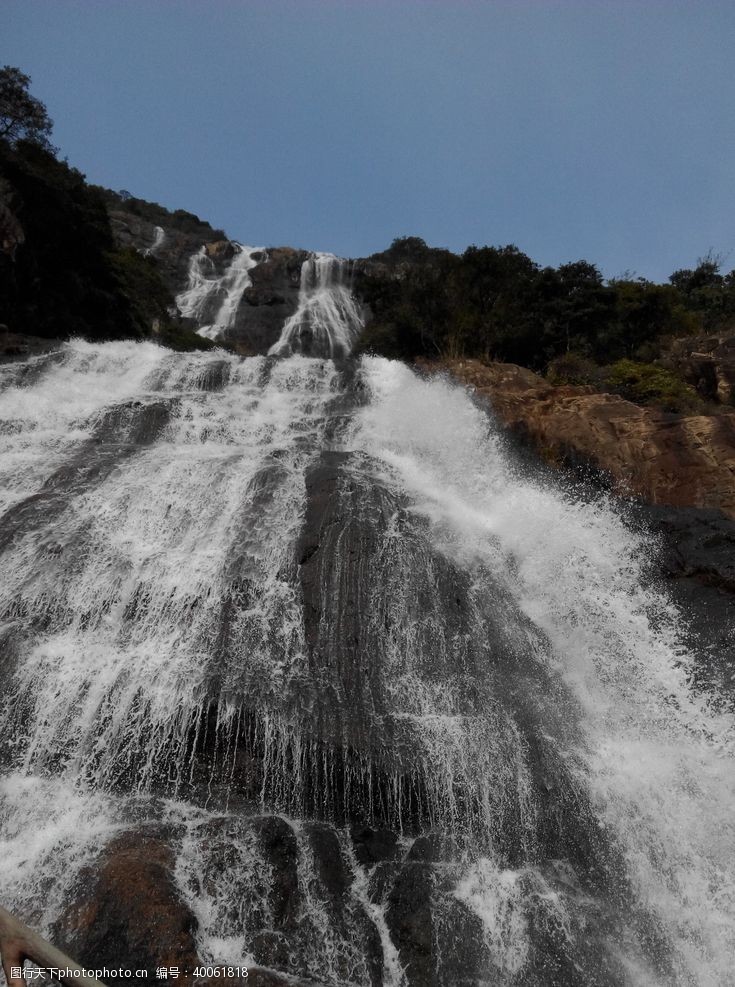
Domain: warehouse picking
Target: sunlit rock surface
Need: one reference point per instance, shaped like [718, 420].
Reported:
[678, 460]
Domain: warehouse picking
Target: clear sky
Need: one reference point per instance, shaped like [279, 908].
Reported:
[602, 130]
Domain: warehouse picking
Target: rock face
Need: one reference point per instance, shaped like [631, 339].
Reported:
[697, 565]
[128, 911]
[664, 458]
[269, 301]
[264, 306]
[376, 754]
[708, 363]
[173, 253]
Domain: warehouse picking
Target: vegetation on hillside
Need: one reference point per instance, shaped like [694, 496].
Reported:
[63, 275]
[152, 212]
[22, 116]
[495, 303]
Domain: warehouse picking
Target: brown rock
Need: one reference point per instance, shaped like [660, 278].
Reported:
[707, 362]
[664, 458]
[220, 250]
[128, 911]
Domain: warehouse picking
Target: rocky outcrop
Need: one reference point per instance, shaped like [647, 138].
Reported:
[270, 300]
[708, 363]
[19, 346]
[696, 563]
[667, 459]
[172, 256]
[265, 305]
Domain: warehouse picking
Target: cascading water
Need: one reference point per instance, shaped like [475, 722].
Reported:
[402, 715]
[211, 298]
[328, 319]
[159, 236]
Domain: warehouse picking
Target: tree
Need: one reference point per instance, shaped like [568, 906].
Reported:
[22, 116]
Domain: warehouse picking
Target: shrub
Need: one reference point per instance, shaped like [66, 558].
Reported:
[649, 384]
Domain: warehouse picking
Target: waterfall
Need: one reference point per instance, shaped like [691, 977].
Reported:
[212, 299]
[405, 715]
[158, 238]
[328, 319]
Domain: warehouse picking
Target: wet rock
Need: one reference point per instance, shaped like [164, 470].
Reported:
[708, 363]
[128, 911]
[329, 865]
[696, 563]
[422, 849]
[270, 300]
[373, 845]
[280, 848]
[697, 544]
[20, 346]
[409, 918]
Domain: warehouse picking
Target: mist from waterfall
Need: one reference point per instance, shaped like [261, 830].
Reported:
[465, 657]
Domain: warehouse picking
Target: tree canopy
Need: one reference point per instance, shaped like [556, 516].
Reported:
[22, 116]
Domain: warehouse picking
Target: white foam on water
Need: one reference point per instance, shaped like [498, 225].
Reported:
[142, 564]
[42, 422]
[496, 896]
[49, 831]
[659, 756]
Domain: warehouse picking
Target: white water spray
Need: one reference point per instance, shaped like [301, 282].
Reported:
[658, 758]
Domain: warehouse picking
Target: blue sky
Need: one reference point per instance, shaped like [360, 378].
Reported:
[602, 130]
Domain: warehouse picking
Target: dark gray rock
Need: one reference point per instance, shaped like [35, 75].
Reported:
[696, 567]
[269, 302]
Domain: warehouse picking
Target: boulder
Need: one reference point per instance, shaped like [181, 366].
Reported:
[708, 363]
[127, 910]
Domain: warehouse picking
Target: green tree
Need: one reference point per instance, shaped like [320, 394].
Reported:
[22, 116]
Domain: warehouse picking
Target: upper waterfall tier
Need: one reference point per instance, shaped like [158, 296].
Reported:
[159, 238]
[212, 298]
[328, 318]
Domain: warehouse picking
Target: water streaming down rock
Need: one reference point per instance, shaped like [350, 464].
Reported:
[298, 645]
[212, 297]
[158, 241]
[328, 318]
